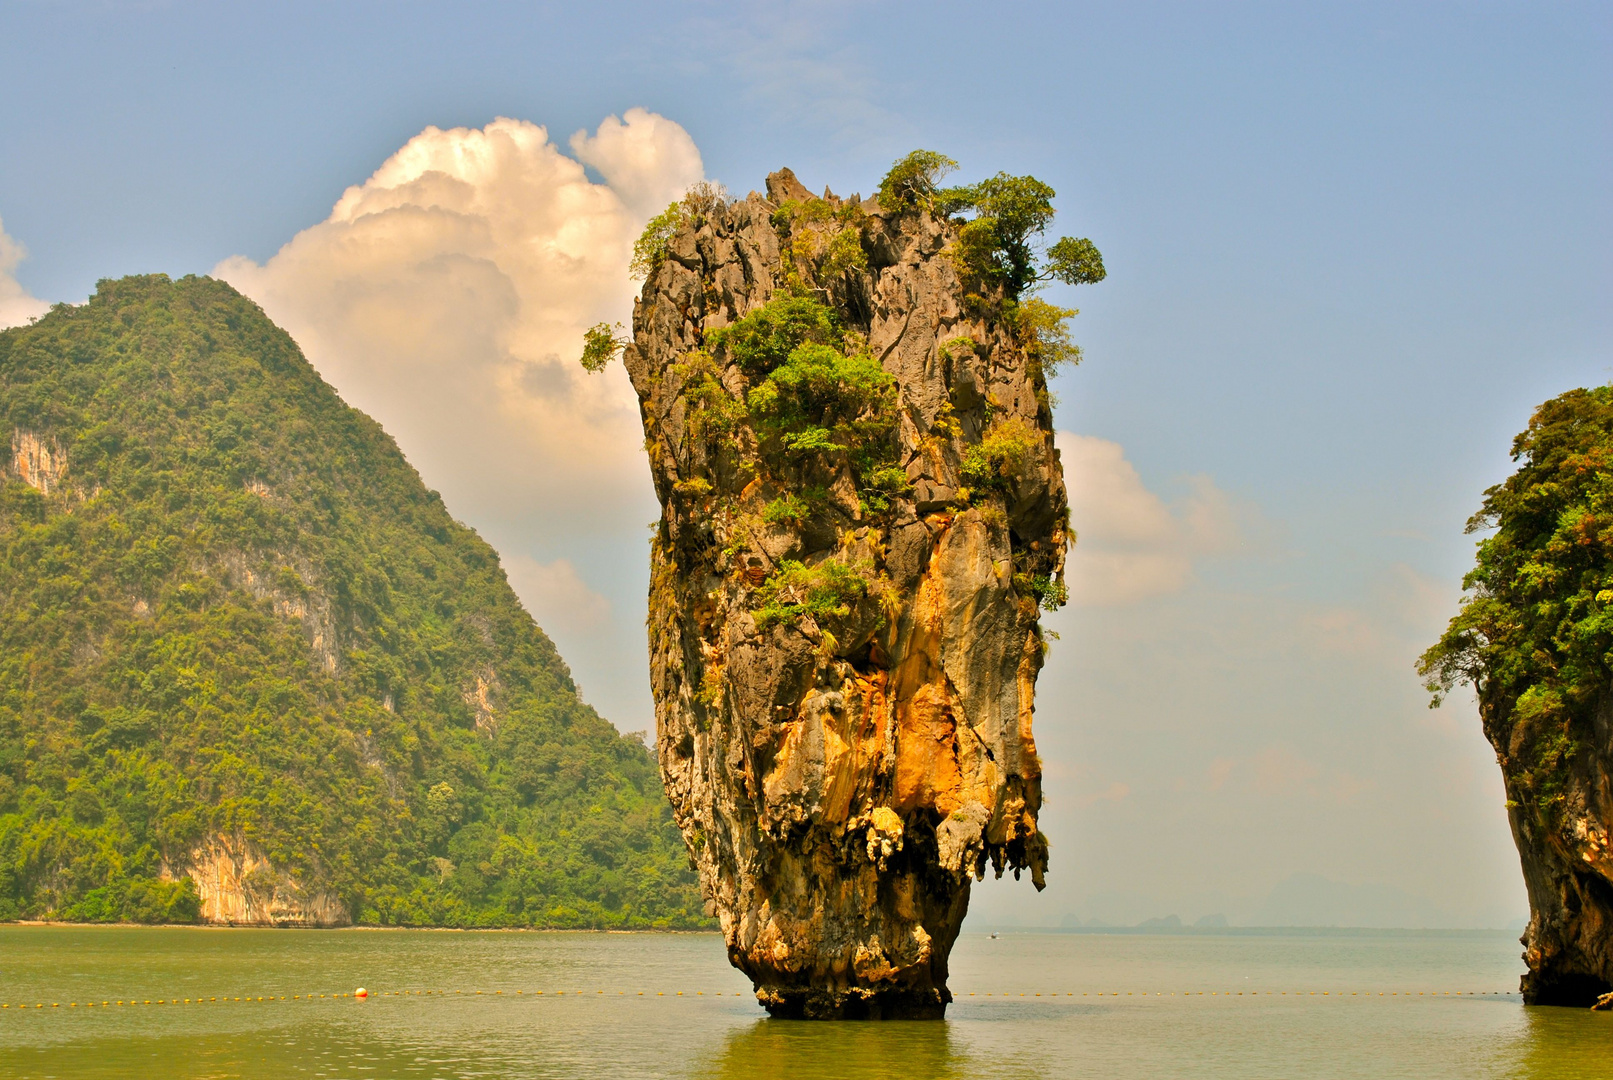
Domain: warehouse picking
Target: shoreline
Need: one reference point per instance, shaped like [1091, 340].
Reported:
[1143, 931]
[330, 929]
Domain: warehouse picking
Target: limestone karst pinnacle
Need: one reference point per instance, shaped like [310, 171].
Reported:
[1532, 639]
[862, 509]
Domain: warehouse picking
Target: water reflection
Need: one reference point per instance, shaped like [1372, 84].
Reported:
[1555, 1043]
[889, 1050]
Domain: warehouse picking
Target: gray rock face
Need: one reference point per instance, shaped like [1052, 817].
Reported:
[842, 763]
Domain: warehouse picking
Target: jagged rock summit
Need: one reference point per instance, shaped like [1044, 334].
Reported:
[862, 515]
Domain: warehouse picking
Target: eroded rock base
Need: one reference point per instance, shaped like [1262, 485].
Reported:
[854, 1003]
[1568, 871]
[1575, 991]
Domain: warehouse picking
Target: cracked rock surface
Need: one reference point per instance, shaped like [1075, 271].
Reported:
[842, 774]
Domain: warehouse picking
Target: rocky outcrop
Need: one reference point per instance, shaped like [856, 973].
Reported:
[1567, 864]
[291, 584]
[38, 460]
[239, 886]
[843, 625]
[1534, 642]
[1533, 638]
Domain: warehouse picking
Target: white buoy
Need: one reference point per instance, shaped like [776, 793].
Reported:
[361, 993]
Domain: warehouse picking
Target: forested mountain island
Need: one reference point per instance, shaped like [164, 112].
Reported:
[252, 671]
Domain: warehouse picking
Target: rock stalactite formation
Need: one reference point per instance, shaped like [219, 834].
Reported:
[862, 515]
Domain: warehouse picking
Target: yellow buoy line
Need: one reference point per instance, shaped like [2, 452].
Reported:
[362, 994]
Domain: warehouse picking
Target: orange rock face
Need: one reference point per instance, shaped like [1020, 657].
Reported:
[844, 643]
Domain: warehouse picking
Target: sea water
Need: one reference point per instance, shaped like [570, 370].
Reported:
[277, 1003]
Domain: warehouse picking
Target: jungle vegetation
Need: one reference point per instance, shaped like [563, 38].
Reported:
[238, 612]
[1534, 636]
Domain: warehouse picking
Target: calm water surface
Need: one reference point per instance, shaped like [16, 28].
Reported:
[1174, 1016]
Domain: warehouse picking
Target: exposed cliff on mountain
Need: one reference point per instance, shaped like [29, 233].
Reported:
[1534, 638]
[850, 433]
[252, 671]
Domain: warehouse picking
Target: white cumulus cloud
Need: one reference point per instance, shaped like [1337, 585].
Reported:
[447, 296]
[1133, 544]
[646, 159]
[16, 305]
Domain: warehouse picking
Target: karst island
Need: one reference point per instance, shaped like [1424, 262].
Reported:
[1533, 638]
[848, 422]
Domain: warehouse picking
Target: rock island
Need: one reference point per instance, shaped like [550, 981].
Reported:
[847, 417]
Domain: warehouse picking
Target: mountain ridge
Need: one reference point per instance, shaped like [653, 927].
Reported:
[251, 670]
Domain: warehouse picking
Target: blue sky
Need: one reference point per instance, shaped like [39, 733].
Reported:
[1350, 246]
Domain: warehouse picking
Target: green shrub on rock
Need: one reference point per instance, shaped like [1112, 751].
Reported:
[764, 339]
[1001, 454]
[912, 181]
[821, 592]
[649, 250]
